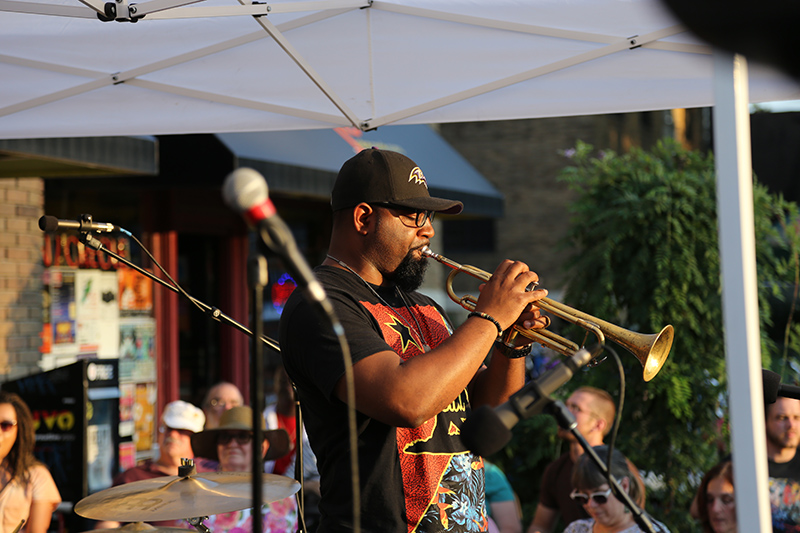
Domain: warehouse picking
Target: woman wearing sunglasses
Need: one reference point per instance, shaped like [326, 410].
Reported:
[716, 504]
[231, 443]
[28, 493]
[591, 490]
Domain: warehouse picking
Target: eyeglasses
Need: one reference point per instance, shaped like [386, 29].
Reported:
[6, 425]
[242, 438]
[600, 497]
[575, 409]
[228, 404]
[166, 429]
[420, 218]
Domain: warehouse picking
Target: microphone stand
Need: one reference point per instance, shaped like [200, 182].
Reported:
[92, 242]
[299, 464]
[566, 420]
[258, 276]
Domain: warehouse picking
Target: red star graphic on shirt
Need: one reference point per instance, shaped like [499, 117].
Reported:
[402, 329]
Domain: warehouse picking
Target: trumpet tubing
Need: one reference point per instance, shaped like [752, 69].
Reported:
[651, 350]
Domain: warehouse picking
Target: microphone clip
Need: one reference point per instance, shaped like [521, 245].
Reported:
[86, 221]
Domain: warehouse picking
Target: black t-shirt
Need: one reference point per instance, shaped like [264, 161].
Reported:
[556, 487]
[784, 495]
[422, 479]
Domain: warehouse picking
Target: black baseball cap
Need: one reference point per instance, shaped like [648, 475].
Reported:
[383, 176]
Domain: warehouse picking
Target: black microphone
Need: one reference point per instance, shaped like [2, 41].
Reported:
[486, 431]
[52, 224]
[245, 190]
[773, 387]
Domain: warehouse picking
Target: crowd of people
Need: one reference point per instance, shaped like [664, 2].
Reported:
[415, 379]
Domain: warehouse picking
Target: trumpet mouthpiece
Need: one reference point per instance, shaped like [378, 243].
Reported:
[427, 251]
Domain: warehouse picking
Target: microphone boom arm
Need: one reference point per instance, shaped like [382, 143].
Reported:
[93, 242]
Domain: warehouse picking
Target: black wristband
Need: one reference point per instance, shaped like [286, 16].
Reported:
[490, 318]
[510, 351]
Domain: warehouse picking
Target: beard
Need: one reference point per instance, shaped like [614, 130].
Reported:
[409, 273]
[782, 439]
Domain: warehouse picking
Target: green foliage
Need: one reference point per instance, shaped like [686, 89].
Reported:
[644, 235]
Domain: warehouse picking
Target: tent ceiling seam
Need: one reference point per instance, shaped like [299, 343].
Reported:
[174, 9]
[336, 120]
[53, 97]
[584, 57]
[46, 9]
[544, 31]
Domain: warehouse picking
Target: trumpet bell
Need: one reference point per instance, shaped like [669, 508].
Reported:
[651, 350]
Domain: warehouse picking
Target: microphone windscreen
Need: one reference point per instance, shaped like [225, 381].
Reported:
[484, 433]
[244, 188]
[772, 384]
[48, 223]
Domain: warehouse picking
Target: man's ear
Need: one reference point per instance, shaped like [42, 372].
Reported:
[601, 425]
[264, 448]
[364, 218]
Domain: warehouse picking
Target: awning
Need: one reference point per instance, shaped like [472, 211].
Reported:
[79, 156]
[306, 162]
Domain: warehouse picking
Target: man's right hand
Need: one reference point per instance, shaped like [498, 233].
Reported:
[505, 298]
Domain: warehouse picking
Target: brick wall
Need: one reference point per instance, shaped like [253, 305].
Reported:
[522, 159]
[21, 205]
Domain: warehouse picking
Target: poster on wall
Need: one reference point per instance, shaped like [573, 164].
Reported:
[63, 311]
[127, 401]
[127, 455]
[135, 293]
[97, 313]
[145, 417]
[137, 350]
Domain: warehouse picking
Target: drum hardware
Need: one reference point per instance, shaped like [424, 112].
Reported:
[139, 527]
[179, 497]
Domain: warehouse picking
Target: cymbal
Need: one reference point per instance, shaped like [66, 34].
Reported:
[177, 497]
[140, 527]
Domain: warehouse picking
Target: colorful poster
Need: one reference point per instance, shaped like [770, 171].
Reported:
[127, 455]
[135, 293]
[144, 417]
[63, 310]
[127, 401]
[137, 350]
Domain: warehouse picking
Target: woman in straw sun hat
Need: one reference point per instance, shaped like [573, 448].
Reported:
[231, 444]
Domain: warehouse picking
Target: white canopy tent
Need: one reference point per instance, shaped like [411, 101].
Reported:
[220, 66]
[212, 67]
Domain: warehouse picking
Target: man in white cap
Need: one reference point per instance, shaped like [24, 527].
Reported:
[179, 422]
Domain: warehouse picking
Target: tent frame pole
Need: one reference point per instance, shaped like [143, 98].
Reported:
[740, 291]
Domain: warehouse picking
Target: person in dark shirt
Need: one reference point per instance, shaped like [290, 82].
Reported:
[416, 377]
[594, 413]
[782, 420]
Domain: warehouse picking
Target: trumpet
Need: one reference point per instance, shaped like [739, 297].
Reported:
[650, 349]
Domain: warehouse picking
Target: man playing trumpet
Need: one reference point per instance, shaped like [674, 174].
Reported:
[416, 379]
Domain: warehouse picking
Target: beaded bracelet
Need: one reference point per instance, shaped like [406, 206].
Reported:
[490, 318]
[510, 351]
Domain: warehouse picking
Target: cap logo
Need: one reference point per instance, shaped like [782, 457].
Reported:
[417, 177]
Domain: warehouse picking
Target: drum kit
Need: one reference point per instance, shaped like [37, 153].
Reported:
[189, 496]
